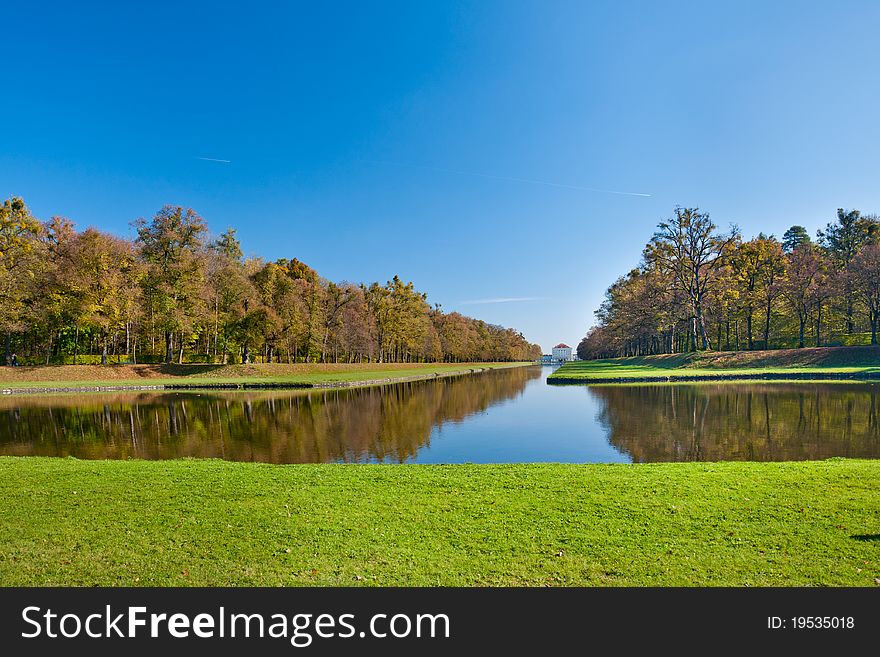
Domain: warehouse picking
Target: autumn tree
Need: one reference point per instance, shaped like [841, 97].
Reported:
[335, 299]
[805, 267]
[355, 337]
[228, 286]
[749, 262]
[454, 332]
[770, 279]
[649, 309]
[864, 279]
[55, 305]
[690, 249]
[171, 245]
[102, 279]
[843, 240]
[20, 264]
[64, 291]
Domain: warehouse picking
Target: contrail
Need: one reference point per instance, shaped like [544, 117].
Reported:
[530, 181]
[213, 159]
[474, 302]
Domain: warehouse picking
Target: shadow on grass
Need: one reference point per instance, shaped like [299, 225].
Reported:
[867, 537]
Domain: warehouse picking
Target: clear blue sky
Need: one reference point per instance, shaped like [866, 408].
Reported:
[373, 139]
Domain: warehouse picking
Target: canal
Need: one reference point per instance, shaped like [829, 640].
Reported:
[503, 416]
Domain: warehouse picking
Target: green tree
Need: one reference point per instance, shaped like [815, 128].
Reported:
[794, 237]
[228, 245]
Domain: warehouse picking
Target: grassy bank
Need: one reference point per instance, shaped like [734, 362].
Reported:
[70, 522]
[60, 377]
[815, 363]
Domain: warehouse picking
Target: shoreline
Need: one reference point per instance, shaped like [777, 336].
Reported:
[808, 364]
[257, 384]
[745, 376]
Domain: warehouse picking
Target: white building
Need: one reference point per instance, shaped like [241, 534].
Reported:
[562, 353]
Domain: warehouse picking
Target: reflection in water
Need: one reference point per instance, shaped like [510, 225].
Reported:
[383, 423]
[741, 422]
[445, 421]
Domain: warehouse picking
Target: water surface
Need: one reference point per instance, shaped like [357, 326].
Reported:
[503, 416]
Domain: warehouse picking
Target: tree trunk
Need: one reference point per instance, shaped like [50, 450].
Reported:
[701, 325]
[8, 359]
[803, 324]
[76, 345]
[104, 351]
[819, 325]
[169, 347]
[749, 334]
[767, 327]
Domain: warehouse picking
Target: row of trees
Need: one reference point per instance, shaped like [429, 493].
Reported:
[174, 294]
[697, 288]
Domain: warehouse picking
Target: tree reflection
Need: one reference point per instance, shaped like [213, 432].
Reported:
[383, 423]
[741, 422]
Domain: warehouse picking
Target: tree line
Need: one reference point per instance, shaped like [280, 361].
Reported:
[698, 288]
[175, 294]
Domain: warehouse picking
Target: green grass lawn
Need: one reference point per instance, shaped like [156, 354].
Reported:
[215, 523]
[84, 376]
[780, 364]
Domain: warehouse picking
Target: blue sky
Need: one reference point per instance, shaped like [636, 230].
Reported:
[470, 147]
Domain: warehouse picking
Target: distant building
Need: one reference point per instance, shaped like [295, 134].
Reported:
[562, 353]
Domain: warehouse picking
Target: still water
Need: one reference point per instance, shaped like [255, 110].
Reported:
[505, 416]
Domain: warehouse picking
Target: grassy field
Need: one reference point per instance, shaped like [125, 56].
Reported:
[75, 376]
[819, 363]
[215, 523]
